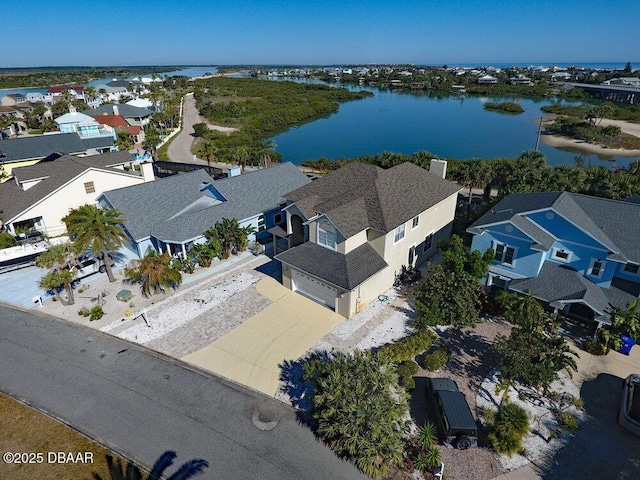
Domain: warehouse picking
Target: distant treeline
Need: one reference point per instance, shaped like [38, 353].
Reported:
[615, 111]
[47, 76]
[527, 173]
[260, 109]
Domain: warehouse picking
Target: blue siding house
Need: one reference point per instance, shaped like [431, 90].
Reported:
[578, 254]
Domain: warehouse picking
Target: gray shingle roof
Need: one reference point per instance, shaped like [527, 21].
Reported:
[613, 223]
[97, 142]
[172, 209]
[557, 283]
[359, 196]
[14, 200]
[344, 271]
[127, 111]
[40, 146]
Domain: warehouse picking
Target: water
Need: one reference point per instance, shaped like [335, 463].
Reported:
[448, 126]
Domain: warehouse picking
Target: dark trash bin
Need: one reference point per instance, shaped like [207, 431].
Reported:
[627, 344]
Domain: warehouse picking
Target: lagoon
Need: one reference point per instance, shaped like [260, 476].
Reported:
[449, 126]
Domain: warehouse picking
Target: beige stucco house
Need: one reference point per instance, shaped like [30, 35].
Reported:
[351, 231]
[40, 195]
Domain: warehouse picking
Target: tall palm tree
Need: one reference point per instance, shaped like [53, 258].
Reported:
[154, 272]
[97, 230]
[57, 258]
[231, 235]
[118, 471]
[525, 310]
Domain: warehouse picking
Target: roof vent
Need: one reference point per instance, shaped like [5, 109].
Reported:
[506, 210]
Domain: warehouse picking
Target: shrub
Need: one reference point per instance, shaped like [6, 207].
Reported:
[407, 368]
[509, 428]
[427, 435]
[437, 359]
[7, 240]
[96, 313]
[408, 347]
[568, 421]
[595, 348]
[84, 312]
[408, 383]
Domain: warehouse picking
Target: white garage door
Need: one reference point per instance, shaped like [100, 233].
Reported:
[314, 289]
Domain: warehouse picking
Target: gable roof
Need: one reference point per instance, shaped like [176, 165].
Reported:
[75, 117]
[172, 209]
[127, 111]
[54, 174]
[360, 196]
[64, 88]
[344, 271]
[39, 146]
[110, 120]
[613, 223]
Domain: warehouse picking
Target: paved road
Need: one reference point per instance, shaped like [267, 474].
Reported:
[180, 147]
[141, 405]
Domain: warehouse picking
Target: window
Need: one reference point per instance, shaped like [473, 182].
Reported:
[89, 187]
[428, 242]
[399, 234]
[504, 253]
[277, 218]
[498, 283]
[327, 235]
[632, 268]
[415, 222]
[597, 267]
[261, 224]
[561, 254]
[412, 255]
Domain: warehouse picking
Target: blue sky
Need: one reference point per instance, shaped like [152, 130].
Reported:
[432, 32]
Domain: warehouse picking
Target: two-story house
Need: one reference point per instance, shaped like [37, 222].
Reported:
[353, 230]
[576, 253]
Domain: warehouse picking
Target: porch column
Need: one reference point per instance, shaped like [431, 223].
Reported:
[275, 250]
[184, 251]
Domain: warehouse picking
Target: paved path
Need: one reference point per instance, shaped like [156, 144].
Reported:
[140, 404]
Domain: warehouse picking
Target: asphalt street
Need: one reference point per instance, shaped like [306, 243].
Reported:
[141, 404]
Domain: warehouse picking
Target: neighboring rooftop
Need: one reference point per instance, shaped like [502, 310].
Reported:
[39, 146]
[127, 111]
[360, 196]
[179, 208]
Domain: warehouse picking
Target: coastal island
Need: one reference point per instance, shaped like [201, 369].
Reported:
[506, 107]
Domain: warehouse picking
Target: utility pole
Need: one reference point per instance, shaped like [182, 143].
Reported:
[539, 131]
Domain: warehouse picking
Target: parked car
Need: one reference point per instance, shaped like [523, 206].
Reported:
[457, 426]
[86, 266]
[629, 415]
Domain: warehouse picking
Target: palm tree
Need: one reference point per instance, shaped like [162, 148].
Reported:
[154, 272]
[57, 258]
[97, 230]
[525, 310]
[118, 471]
[209, 151]
[558, 355]
[231, 234]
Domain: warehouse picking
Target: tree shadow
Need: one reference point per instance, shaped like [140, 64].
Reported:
[119, 471]
[601, 448]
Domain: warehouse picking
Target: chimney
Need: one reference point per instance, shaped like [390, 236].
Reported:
[115, 110]
[147, 171]
[438, 167]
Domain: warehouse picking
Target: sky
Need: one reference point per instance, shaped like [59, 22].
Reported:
[328, 32]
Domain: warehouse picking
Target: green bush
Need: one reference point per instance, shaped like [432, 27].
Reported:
[407, 348]
[568, 421]
[408, 383]
[7, 240]
[509, 428]
[84, 312]
[437, 359]
[595, 348]
[407, 368]
[96, 313]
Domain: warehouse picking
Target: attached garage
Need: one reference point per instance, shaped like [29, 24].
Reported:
[314, 289]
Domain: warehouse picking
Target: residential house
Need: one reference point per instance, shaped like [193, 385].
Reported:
[171, 214]
[520, 80]
[487, 80]
[135, 116]
[83, 125]
[30, 149]
[114, 90]
[13, 98]
[76, 91]
[40, 195]
[118, 123]
[17, 118]
[352, 231]
[578, 254]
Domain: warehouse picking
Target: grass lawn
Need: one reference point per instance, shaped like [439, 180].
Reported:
[27, 430]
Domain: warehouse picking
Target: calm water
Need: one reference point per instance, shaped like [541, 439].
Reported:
[448, 126]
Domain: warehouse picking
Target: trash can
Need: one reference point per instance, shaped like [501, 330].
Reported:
[627, 344]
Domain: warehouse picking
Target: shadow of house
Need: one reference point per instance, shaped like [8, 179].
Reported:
[601, 448]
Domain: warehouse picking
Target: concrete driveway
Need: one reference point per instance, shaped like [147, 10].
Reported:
[252, 352]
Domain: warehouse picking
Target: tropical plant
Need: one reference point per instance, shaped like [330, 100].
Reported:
[437, 359]
[97, 230]
[427, 435]
[510, 426]
[408, 347]
[231, 235]
[7, 240]
[359, 411]
[460, 261]
[625, 322]
[524, 310]
[57, 258]
[154, 272]
[118, 471]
